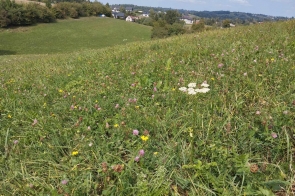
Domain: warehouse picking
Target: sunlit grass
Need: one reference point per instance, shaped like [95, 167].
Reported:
[71, 35]
[114, 122]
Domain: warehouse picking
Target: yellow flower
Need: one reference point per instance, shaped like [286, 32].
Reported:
[272, 59]
[173, 89]
[96, 101]
[60, 90]
[144, 138]
[74, 153]
[9, 116]
[137, 107]
[213, 79]
[116, 125]
[155, 153]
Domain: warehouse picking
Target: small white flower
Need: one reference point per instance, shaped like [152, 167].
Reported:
[203, 90]
[205, 85]
[183, 89]
[192, 85]
[191, 92]
[190, 89]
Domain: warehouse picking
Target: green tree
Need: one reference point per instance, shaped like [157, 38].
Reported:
[198, 27]
[172, 16]
[226, 23]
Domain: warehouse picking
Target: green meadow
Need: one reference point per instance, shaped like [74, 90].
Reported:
[71, 35]
[210, 113]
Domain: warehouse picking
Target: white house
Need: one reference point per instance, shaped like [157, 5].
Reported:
[129, 19]
[145, 14]
[187, 21]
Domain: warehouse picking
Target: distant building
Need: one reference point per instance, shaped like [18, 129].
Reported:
[129, 9]
[145, 14]
[118, 15]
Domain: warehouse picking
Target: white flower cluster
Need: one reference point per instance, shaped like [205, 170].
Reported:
[192, 90]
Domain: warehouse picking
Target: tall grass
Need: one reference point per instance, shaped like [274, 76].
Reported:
[114, 122]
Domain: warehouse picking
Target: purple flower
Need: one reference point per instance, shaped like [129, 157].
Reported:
[141, 152]
[136, 158]
[64, 182]
[15, 141]
[155, 89]
[135, 132]
[274, 135]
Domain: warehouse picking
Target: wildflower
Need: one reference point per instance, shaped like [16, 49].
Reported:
[135, 132]
[34, 122]
[98, 109]
[220, 65]
[74, 153]
[255, 61]
[213, 79]
[60, 90]
[144, 138]
[204, 84]
[285, 112]
[141, 152]
[117, 106]
[118, 168]
[203, 90]
[173, 89]
[192, 85]
[245, 74]
[9, 116]
[15, 142]
[153, 96]
[192, 92]
[155, 89]
[272, 59]
[90, 144]
[274, 135]
[44, 105]
[258, 112]
[137, 107]
[64, 182]
[107, 125]
[183, 89]
[88, 128]
[116, 125]
[155, 153]
[136, 158]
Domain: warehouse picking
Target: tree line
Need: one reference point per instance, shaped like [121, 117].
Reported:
[14, 14]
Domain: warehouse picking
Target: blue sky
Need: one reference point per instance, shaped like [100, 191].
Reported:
[267, 7]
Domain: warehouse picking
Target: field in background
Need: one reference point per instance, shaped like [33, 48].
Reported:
[71, 35]
[114, 121]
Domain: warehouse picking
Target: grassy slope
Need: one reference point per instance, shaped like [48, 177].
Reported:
[71, 35]
[229, 137]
